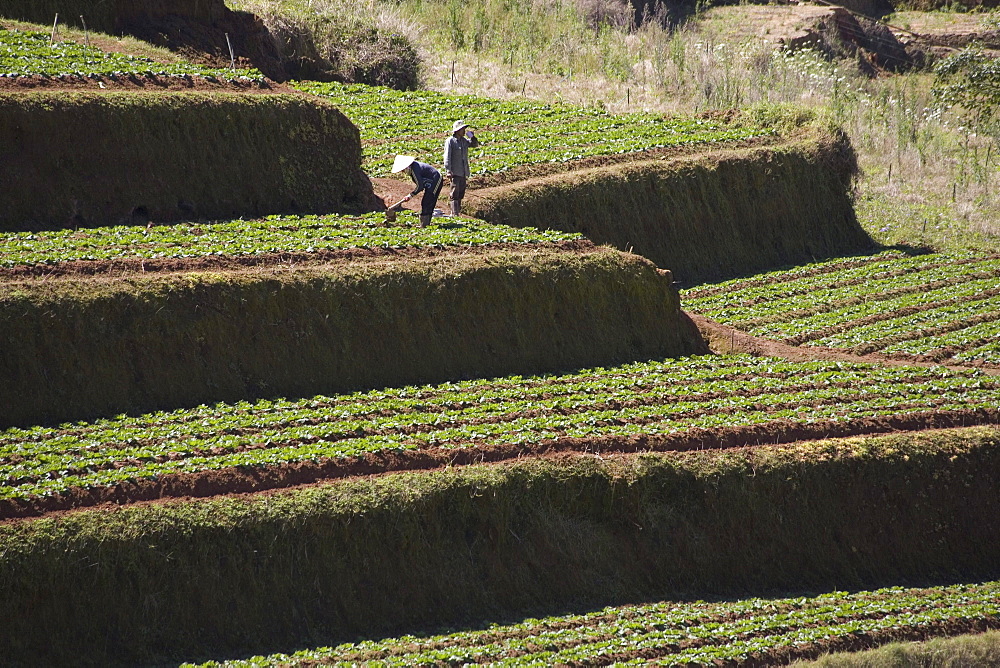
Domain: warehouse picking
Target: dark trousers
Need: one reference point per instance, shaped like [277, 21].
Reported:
[430, 199]
[458, 184]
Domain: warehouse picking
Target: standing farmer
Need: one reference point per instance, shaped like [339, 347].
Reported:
[456, 162]
[427, 179]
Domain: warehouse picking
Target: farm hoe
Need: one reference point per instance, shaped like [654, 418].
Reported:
[391, 211]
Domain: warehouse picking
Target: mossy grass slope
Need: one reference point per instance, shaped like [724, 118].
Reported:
[173, 156]
[74, 349]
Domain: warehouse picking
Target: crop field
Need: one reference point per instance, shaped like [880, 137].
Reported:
[272, 234]
[767, 631]
[651, 400]
[28, 53]
[514, 132]
[935, 307]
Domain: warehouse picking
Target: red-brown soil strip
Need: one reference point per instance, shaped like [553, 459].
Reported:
[246, 479]
[540, 170]
[131, 266]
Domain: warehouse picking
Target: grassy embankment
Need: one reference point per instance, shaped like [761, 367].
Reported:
[257, 574]
[341, 41]
[173, 156]
[79, 348]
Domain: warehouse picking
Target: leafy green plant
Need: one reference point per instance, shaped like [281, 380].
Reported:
[970, 80]
[673, 633]
[937, 306]
[515, 132]
[641, 399]
[27, 53]
[272, 234]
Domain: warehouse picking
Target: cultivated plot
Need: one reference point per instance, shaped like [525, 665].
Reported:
[676, 404]
[272, 234]
[29, 53]
[940, 307]
[764, 631]
[515, 132]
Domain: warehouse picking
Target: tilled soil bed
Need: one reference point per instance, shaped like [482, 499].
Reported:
[247, 479]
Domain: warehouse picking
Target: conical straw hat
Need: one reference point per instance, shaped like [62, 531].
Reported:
[402, 162]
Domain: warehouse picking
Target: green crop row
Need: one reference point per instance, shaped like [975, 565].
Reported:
[273, 234]
[806, 278]
[642, 399]
[975, 293]
[945, 306]
[886, 276]
[33, 53]
[514, 132]
[670, 633]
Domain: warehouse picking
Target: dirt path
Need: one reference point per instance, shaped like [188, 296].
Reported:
[391, 189]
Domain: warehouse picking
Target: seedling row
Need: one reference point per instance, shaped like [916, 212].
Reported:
[673, 634]
[273, 234]
[943, 307]
[646, 399]
[29, 53]
[514, 132]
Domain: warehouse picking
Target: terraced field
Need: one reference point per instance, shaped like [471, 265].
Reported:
[518, 132]
[269, 235]
[28, 53]
[933, 307]
[922, 308]
[679, 404]
[747, 632]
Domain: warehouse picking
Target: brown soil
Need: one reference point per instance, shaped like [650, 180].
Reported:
[838, 31]
[943, 33]
[242, 480]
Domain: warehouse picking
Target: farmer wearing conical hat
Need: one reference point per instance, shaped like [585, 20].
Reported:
[427, 178]
[456, 162]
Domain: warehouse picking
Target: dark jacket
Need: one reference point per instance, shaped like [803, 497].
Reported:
[425, 176]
